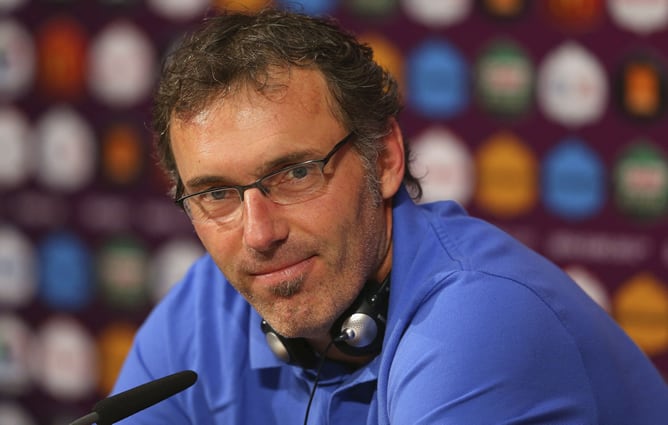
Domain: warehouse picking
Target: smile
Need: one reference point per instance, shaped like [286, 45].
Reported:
[275, 275]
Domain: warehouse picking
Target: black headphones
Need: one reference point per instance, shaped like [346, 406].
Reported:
[358, 332]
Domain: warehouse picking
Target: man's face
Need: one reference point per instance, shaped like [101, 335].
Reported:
[299, 265]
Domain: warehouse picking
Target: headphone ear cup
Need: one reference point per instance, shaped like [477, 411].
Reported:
[295, 351]
[363, 324]
[358, 332]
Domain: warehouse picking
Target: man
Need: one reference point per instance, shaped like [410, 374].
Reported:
[327, 295]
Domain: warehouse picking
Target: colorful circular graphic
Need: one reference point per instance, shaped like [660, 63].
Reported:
[66, 281]
[640, 306]
[444, 166]
[641, 86]
[122, 273]
[641, 181]
[574, 180]
[65, 359]
[504, 79]
[122, 64]
[62, 47]
[66, 153]
[114, 343]
[438, 80]
[122, 154]
[507, 176]
[572, 86]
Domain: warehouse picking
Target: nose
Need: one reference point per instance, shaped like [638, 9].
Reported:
[263, 228]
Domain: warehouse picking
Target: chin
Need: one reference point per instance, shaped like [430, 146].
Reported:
[299, 327]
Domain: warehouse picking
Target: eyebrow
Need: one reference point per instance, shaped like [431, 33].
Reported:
[265, 168]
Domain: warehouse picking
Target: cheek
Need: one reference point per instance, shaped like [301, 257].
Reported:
[219, 243]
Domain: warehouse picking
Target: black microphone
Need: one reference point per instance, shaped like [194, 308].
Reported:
[112, 409]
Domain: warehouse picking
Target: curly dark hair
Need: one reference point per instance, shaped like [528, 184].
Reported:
[233, 50]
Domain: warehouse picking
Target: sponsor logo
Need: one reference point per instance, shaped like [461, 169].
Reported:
[438, 80]
[574, 180]
[640, 306]
[114, 342]
[122, 154]
[66, 154]
[641, 181]
[122, 270]
[504, 79]
[65, 359]
[572, 86]
[507, 176]
[444, 166]
[122, 65]
[66, 272]
[641, 87]
[62, 46]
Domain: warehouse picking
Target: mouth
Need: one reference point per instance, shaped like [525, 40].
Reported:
[274, 275]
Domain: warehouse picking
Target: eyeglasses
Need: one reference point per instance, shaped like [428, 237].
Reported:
[290, 185]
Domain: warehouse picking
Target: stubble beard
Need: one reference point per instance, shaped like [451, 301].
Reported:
[288, 288]
[307, 325]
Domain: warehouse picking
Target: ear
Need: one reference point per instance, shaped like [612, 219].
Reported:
[391, 164]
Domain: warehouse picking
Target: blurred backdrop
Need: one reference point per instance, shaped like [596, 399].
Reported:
[545, 117]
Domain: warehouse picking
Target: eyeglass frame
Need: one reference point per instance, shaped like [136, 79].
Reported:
[257, 184]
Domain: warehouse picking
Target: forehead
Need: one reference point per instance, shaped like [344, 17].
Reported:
[298, 88]
[284, 92]
[248, 128]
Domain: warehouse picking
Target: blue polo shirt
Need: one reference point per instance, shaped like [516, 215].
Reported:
[480, 330]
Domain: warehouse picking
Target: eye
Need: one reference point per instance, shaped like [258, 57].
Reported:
[299, 172]
[296, 177]
[218, 194]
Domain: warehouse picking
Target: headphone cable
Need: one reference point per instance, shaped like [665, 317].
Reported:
[342, 337]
